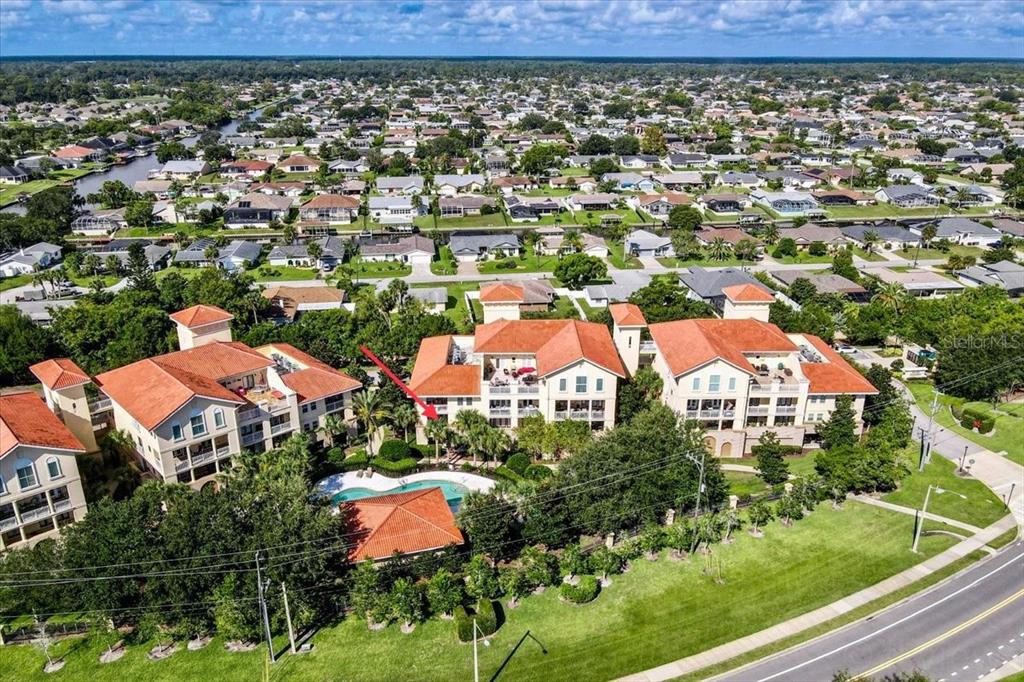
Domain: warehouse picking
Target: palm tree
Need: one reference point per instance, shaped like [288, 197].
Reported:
[770, 233]
[404, 418]
[369, 411]
[334, 425]
[469, 424]
[891, 295]
[961, 196]
[719, 249]
[532, 239]
[573, 241]
[870, 239]
[438, 431]
[927, 235]
[315, 251]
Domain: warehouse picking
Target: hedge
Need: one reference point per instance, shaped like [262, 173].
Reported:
[486, 621]
[537, 472]
[394, 450]
[586, 590]
[507, 474]
[357, 460]
[402, 466]
[518, 463]
[972, 416]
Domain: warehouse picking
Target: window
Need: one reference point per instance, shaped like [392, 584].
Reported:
[714, 383]
[599, 386]
[305, 409]
[176, 432]
[562, 385]
[218, 418]
[3, 487]
[26, 475]
[732, 384]
[198, 425]
[53, 468]
[696, 383]
[581, 384]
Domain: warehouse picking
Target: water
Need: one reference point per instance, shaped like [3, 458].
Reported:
[453, 492]
[137, 169]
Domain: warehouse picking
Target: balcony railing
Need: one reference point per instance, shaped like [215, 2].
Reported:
[561, 415]
[254, 437]
[8, 523]
[441, 409]
[648, 347]
[710, 414]
[223, 450]
[597, 414]
[249, 414]
[281, 428]
[202, 457]
[181, 465]
[785, 409]
[501, 412]
[99, 405]
[500, 389]
[774, 388]
[35, 514]
[757, 411]
[62, 505]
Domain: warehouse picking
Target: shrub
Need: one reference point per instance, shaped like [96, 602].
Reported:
[967, 422]
[486, 617]
[986, 425]
[537, 472]
[467, 467]
[335, 456]
[402, 466]
[897, 365]
[507, 264]
[518, 463]
[357, 460]
[394, 450]
[584, 591]
[463, 625]
[507, 474]
[540, 567]
[817, 249]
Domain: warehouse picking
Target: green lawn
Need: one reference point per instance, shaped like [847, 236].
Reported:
[9, 194]
[629, 216]
[528, 263]
[16, 281]
[588, 309]
[803, 257]
[873, 257]
[936, 254]
[426, 222]
[365, 268]
[705, 262]
[1008, 435]
[550, 192]
[187, 273]
[618, 258]
[799, 465]
[741, 484]
[455, 309]
[981, 507]
[281, 273]
[654, 614]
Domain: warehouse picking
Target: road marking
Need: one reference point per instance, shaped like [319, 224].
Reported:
[945, 635]
[1000, 646]
[894, 624]
[989, 653]
[965, 667]
[977, 660]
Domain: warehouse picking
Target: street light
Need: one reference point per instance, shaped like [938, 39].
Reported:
[476, 660]
[924, 510]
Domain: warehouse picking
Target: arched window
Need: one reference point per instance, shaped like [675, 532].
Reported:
[53, 468]
[26, 474]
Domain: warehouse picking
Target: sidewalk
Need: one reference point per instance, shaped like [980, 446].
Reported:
[738, 647]
[867, 499]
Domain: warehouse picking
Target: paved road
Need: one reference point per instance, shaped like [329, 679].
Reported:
[961, 630]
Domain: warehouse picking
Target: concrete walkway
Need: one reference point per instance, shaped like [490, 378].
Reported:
[875, 502]
[738, 647]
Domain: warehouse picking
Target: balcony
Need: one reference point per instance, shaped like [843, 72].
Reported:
[648, 347]
[785, 409]
[8, 523]
[441, 409]
[251, 438]
[758, 411]
[500, 389]
[249, 414]
[280, 428]
[223, 451]
[774, 387]
[35, 514]
[202, 458]
[99, 405]
[181, 465]
[710, 414]
[500, 412]
[62, 505]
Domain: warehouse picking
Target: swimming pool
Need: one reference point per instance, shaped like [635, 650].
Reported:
[453, 492]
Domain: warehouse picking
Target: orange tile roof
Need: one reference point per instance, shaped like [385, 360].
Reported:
[835, 376]
[332, 201]
[316, 379]
[25, 420]
[501, 292]
[627, 315]
[59, 373]
[747, 293]
[688, 344]
[152, 390]
[407, 523]
[199, 315]
[432, 375]
[556, 343]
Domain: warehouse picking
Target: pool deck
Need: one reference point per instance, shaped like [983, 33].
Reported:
[376, 482]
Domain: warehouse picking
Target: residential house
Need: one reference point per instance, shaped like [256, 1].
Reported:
[658, 206]
[332, 252]
[451, 185]
[961, 231]
[508, 300]
[40, 488]
[681, 181]
[629, 182]
[552, 243]
[256, 209]
[466, 205]
[333, 209]
[299, 163]
[156, 255]
[244, 168]
[840, 196]
[919, 282]
[825, 283]
[524, 208]
[731, 235]
[1005, 274]
[642, 243]
[710, 285]
[400, 184]
[288, 303]
[723, 203]
[415, 250]
[182, 169]
[29, 259]
[434, 299]
[592, 202]
[685, 160]
[516, 183]
[13, 175]
[786, 203]
[235, 256]
[809, 233]
[639, 161]
[469, 247]
[738, 179]
[511, 369]
[907, 196]
[99, 223]
[583, 183]
[188, 412]
[76, 155]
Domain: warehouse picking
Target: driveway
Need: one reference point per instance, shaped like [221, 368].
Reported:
[421, 269]
[468, 269]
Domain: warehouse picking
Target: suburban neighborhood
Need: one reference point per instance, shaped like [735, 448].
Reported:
[535, 369]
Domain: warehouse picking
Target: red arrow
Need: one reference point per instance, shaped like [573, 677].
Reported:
[429, 411]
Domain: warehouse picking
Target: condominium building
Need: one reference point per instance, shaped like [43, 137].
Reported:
[510, 369]
[40, 489]
[189, 411]
[741, 376]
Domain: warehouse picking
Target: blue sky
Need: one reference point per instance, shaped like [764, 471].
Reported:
[644, 28]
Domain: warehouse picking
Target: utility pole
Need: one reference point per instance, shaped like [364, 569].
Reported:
[920, 522]
[962, 458]
[262, 600]
[288, 617]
